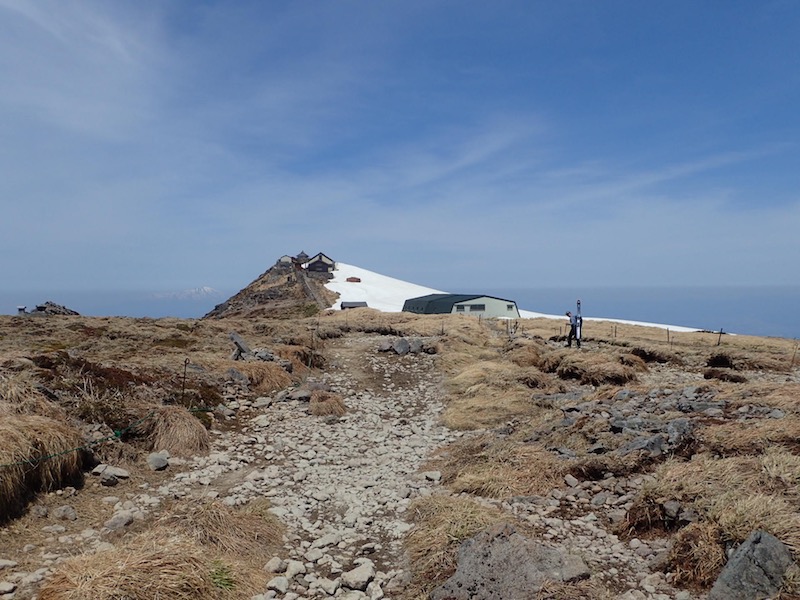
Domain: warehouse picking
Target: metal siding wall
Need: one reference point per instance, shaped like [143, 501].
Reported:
[494, 308]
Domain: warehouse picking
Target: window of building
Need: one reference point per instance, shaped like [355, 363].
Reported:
[476, 307]
[460, 308]
[509, 307]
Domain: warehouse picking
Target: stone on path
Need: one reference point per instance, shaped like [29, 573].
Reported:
[157, 461]
[279, 584]
[499, 563]
[359, 578]
[755, 570]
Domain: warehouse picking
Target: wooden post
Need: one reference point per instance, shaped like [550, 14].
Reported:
[791, 366]
[719, 339]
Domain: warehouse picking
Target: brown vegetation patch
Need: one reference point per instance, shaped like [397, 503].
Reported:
[588, 368]
[441, 523]
[175, 429]
[301, 357]
[36, 454]
[265, 377]
[721, 360]
[596, 466]
[738, 494]
[495, 468]
[697, 555]
[20, 393]
[528, 355]
[324, 403]
[155, 565]
[724, 375]
[655, 355]
[633, 361]
[63, 369]
[730, 439]
[484, 393]
[250, 534]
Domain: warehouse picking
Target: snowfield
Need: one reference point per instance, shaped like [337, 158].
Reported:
[388, 294]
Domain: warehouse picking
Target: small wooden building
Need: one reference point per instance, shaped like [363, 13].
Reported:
[321, 264]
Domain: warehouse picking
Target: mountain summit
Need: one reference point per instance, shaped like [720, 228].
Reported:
[289, 288]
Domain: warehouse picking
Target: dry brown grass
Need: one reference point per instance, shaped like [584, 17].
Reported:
[498, 469]
[785, 396]
[265, 377]
[323, 404]
[527, 355]
[737, 494]
[20, 393]
[35, 455]
[732, 438]
[487, 393]
[154, 565]
[589, 368]
[441, 523]
[250, 534]
[175, 429]
[697, 555]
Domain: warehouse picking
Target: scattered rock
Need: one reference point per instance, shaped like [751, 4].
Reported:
[756, 569]
[359, 578]
[157, 462]
[120, 519]
[500, 563]
[65, 513]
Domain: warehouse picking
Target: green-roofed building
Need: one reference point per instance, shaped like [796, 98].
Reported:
[462, 304]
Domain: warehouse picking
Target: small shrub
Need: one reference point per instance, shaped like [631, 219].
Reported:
[697, 555]
[723, 361]
[36, 454]
[324, 403]
[175, 429]
[724, 375]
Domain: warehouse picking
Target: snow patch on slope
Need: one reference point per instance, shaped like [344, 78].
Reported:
[388, 294]
[380, 292]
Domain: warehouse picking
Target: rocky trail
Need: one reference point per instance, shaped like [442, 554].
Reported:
[343, 485]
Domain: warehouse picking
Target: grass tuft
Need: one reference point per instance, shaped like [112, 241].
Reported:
[441, 523]
[36, 454]
[175, 429]
[324, 404]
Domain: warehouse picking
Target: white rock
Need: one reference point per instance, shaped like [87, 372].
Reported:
[275, 565]
[359, 578]
[279, 584]
[313, 555]
[6, 587]
[293, 568]
[327, 585]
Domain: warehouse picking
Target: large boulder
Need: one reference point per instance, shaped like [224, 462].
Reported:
[500, 563]
[755, 570]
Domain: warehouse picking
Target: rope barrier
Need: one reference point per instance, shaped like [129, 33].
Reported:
[118, 433]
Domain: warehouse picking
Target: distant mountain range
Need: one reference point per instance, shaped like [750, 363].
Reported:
[198, 293]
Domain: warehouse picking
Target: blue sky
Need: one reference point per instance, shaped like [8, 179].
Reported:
[455, 144]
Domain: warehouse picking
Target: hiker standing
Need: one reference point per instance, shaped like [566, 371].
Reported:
[573, 330]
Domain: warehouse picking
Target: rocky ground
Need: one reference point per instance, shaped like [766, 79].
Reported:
[343, 485]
